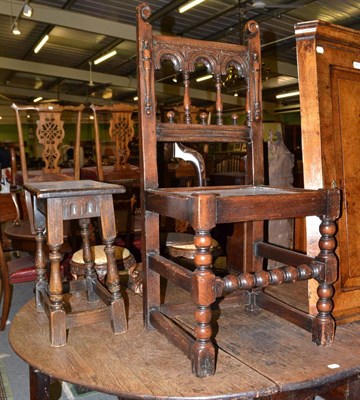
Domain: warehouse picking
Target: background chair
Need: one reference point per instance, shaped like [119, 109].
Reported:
[17, 270]
[205, 207]
[43, 165]
[115, 168]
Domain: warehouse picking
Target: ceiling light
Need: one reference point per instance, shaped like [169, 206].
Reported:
[15, 29]
[174, 79]
[105, 57]
[136, 98]
[37, 99]
[236, 94]
[289, 94]
[203, 78]
[189, 4]
[27, 10]
[41, 43]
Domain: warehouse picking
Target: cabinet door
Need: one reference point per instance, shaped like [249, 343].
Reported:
[345, 91]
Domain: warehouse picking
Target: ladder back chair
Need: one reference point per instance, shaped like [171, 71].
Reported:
[205, 207]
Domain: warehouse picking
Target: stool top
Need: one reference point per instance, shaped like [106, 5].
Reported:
[45, 190]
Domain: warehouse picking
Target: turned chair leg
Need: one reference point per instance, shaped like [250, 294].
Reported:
[203, 292]
[323, 330]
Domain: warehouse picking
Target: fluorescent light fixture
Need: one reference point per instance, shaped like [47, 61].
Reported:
[15, 29]
[188, 5]
[37, 99]
[27, 10]
[41, 44]
[105, 57]
[203, 78]
[289, 94]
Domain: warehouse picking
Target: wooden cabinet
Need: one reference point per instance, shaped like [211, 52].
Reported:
[329, 83]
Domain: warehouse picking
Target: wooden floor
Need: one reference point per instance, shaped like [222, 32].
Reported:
[259, 356]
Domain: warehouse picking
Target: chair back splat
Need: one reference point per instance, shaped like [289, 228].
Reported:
[118, 119]
[205, 207]
[49, 140]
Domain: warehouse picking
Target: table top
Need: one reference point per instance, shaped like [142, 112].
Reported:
[57, 189]
[259, 355]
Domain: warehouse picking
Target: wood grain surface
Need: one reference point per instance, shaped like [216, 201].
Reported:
[259, 356]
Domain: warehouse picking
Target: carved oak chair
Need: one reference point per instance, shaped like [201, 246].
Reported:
[49, 136]
[205, 207]
[118, 118]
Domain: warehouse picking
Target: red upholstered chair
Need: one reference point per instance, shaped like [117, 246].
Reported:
[18, 270]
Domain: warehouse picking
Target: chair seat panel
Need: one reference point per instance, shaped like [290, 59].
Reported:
[241, 203]
[38, 175]
[22, 269]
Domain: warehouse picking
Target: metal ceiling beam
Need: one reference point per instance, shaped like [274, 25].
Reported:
[83, 75]
[69, 19]
[61, 72]
[12, 91]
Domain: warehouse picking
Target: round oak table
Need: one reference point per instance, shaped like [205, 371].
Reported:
[260, 356]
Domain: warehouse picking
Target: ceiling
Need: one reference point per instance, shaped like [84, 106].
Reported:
[82, 30]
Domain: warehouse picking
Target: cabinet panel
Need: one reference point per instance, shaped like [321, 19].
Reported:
[329, 87]
[345, 86]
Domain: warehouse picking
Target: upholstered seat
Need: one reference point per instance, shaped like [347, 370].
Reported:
[124, 260]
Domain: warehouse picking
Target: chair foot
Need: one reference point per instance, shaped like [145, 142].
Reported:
[203, 359]
[323, 331]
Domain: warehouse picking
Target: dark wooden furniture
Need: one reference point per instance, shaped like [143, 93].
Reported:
[329, 83]
[13, 271]
[117, 119]
[204, 208]
[266, 358]
[54, 203]
[49, 137]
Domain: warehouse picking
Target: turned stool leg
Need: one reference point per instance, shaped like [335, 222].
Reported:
[203, 292]
[323, 329]
[55, 237]
[57, 313]
[41, 285]
[117, 306]
[40, 264]
[90, 273]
